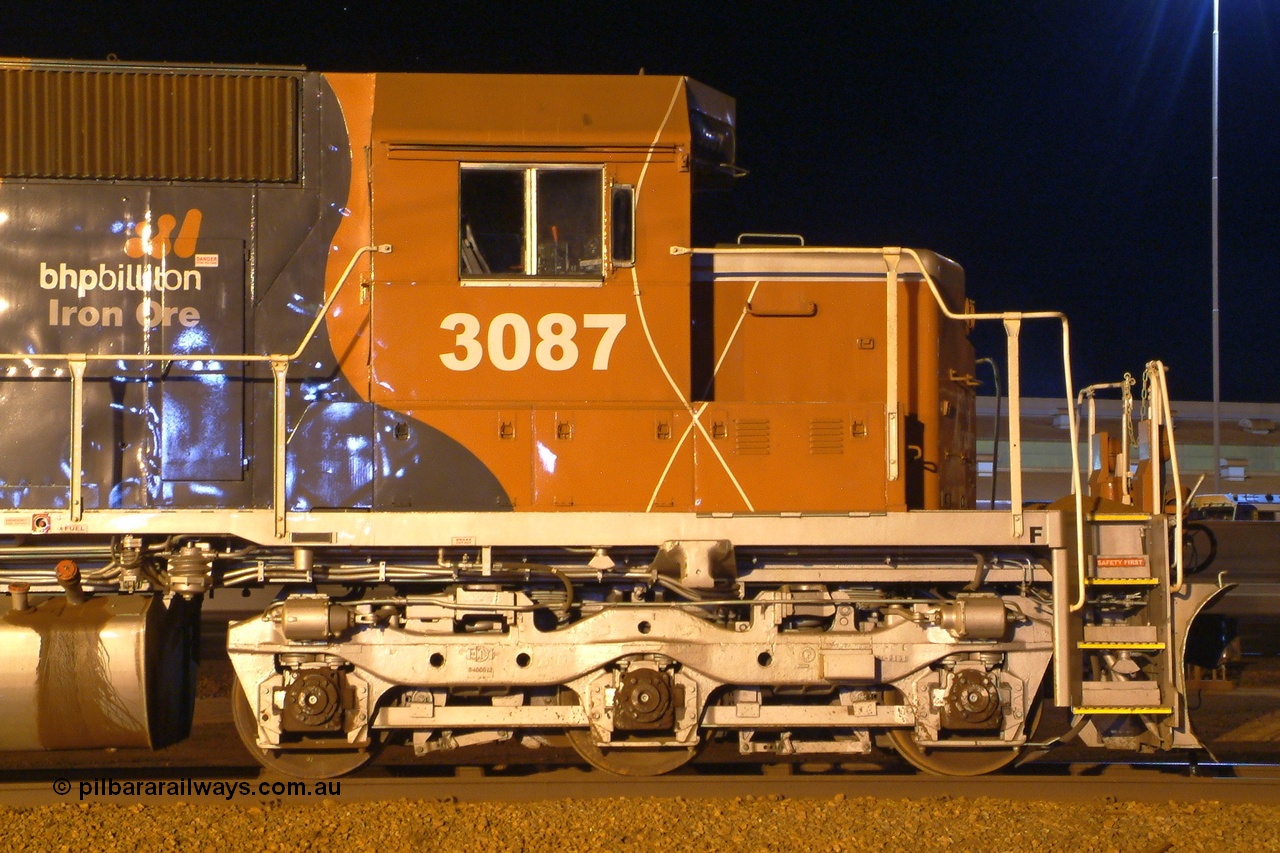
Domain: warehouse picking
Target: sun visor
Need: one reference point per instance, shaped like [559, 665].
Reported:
[713, 128]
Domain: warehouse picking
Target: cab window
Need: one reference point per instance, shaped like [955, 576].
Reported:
[531, 221]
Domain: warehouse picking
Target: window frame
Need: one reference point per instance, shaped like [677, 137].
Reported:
[617, 258]
[529, 250]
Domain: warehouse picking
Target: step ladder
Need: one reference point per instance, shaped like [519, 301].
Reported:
[1124, 664]
[1113, 607]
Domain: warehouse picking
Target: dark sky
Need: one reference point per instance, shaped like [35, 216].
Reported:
[1060, 151]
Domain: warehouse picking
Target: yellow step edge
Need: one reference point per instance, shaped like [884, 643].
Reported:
[1121, 581]
[1123, 710]
[1121, 645]
[1119, 516]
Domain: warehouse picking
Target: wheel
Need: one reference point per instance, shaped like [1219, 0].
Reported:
[965, 761]
[962, 761]
[625, 760]
[303, 763]
[630, 761]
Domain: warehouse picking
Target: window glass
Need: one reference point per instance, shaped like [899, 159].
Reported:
[568, 222]
[621, 221]
[541, 221]
[493, 222]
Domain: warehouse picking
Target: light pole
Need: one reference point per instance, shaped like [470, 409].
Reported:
[1217, 388]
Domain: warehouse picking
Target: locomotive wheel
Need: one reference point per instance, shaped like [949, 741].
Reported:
[305, 764]
[963, 761]
[629, 761]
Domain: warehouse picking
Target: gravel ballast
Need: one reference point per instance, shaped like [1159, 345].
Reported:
[736, 824]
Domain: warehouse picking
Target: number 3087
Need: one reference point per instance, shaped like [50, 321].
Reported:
[509, 341]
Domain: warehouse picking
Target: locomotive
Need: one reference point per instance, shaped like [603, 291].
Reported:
[433, 357]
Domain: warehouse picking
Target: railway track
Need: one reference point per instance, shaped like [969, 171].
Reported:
[1163, 781]
[1242, 764]
[1077, 799]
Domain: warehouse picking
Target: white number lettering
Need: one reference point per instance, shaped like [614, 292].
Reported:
[556, 331]
[468, 328]
[556, 350]
[498, 342]
[612, 325]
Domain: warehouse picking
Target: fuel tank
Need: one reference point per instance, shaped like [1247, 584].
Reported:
[80, 676]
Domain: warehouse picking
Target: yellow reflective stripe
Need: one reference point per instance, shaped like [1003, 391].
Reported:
[1120, 645]
[1123, 710]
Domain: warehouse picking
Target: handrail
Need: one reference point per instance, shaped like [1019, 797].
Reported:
[382, 248]
[1012, 321]
[995, 428]
[1157, 368]
[77, 362]
[1015, 405]
[1126, 407]
[379, 248]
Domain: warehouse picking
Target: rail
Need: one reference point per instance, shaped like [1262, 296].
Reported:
[78, 362]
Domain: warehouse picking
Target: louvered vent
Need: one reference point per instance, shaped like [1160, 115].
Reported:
[826, 436]
[149, 125]
[752, 437]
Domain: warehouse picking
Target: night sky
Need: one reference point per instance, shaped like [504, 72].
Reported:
[1060, 151]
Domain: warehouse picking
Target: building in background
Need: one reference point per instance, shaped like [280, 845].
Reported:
[1250, 466]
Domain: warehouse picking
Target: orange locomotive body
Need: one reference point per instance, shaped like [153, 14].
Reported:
[433, 359]
[623, 373]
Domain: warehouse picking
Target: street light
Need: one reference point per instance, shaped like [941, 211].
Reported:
[1217, 388]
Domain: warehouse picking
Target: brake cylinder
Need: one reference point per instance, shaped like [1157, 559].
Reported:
[974, 617]
[313, 618]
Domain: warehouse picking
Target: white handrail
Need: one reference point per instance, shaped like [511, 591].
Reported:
[1011, 319]
[1157, 368]
[382, 248]
[77, 362]
[1090, 392]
